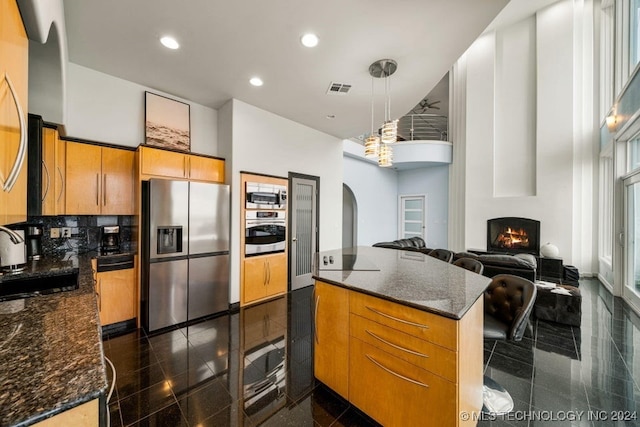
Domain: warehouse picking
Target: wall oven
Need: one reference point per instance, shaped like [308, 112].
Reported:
[265, 196]
[265, 232]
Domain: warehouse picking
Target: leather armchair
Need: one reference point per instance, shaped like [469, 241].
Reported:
[442, 254]
[508, 302]
[470, 264]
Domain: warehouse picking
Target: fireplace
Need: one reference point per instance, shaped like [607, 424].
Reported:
[513, 235]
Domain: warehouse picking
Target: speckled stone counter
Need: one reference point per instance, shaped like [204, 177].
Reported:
[410, 278]
[51, 355]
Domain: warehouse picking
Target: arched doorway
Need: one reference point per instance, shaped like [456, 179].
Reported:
[349, 218]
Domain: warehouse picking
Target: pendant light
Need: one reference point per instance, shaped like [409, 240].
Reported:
[385, 156]
[372, 143]
[384, 68]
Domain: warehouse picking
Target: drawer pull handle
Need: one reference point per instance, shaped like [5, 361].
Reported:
[395, 373]
[315, 320]
[419, 325]
[395, 345]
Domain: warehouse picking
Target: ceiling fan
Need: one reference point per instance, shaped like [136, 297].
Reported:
[425, 105]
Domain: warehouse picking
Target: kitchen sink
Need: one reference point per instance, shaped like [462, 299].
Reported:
[25, 286]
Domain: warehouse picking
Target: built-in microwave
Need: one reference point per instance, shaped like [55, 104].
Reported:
[265, 196]
[265, 232]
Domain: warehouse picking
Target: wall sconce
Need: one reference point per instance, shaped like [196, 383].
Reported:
[612, 121]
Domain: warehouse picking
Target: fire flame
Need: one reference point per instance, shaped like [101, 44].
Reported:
[513, 238]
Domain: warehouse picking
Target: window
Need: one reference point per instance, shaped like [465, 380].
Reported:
[633, 154]
[412, 210]
[607, 44]
[634, 34]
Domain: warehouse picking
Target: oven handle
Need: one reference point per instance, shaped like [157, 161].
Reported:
[258, 222]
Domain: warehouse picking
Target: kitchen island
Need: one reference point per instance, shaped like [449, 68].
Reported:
[52, 369]
[399, 335]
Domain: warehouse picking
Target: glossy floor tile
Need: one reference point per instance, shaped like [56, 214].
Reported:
[255, 367]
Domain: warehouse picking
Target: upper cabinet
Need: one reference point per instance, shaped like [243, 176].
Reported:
[158, 163]
[14, 72]
[53, 173]
[99, 180]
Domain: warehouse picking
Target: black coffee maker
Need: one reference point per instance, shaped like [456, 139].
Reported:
[110, 240]
[33, 240]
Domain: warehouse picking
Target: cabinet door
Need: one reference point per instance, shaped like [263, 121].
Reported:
[206, 169]
[116, 296]
[331, 337]
[162, 163]
[14, 59]
[48, 196]
[117, 181]
[254, 286]
[59, 173]
[276, 274]
[83, 179]
[378, 379]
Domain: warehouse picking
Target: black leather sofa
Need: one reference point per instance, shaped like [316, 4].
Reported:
[523, 265]
[411, 244]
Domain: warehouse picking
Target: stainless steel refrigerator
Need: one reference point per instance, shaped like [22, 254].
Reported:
[185, 239]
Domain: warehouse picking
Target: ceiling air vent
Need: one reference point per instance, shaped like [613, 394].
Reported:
[338, 89]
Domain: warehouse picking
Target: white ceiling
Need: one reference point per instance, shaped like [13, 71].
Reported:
[224, 43]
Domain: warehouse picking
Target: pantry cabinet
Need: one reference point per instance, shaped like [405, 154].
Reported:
[14, 72]
[99, 180]
[155, 162]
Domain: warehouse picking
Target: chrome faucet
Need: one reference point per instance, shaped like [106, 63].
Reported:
[13, 236]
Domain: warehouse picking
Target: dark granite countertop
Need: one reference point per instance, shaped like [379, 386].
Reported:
[51, 356]
[410, 278]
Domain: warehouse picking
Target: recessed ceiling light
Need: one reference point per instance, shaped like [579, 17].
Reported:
[256, 81]
[169, 42]
[309, 40]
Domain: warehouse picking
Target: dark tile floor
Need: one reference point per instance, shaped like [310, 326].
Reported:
[255, 368]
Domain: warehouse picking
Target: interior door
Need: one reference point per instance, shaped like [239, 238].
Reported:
[412, 217]
[304, 230]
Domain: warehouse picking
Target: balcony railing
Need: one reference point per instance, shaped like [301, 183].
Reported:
[421, 127]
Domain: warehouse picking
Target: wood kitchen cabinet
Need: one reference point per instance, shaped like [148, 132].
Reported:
[116, 293]
[14, 72]
[155, 162]
[331, 337]
[99, 180]
[264, 277]
[371, 350]
[53, 172]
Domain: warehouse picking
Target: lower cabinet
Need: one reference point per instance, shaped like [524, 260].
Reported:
[331, 337]
[264, 276]
[399, 365]
[85, 415]
[116, 292]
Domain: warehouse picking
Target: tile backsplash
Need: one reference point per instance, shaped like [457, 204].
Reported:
[85, 232]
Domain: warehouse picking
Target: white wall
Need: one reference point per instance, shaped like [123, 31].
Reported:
[553, 200]
[376, 192]
[257, 141]
[104, 108]
[434, 183]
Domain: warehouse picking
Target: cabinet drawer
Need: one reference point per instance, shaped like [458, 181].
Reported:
[397, 393]
[423, 354]
[426, 326]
